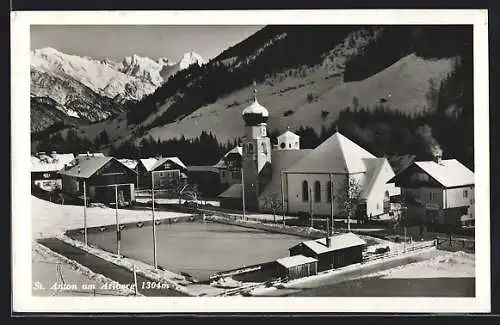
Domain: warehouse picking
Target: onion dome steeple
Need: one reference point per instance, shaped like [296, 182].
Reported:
[255, 114]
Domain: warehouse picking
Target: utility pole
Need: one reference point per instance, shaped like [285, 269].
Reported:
[331, 204]
[243, 192]
[118, 232]
[311, 206]
[85, 213]
[154, 221]
[282, 197]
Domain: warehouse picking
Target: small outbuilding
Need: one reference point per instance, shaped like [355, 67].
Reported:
[297, 266]
[332, 252]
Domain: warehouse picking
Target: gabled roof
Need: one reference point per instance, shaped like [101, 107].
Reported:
[50, 163]
[342, 241]
[281, 160]
[295, 260]
[449, 173]
[85, 166]
[374, 168]
[337, 154]
[148, 163]
[235, 151]
[153, 163]
[130, 163]
[234, 191]
[163, 160]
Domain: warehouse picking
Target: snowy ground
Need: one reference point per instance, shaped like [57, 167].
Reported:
[50, 219]
[442, 265]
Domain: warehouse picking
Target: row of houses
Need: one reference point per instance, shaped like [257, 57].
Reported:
[103, 178]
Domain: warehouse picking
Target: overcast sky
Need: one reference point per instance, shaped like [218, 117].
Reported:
[118, 41]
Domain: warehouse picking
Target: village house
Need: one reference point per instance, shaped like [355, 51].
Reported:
[440, 191]
[168, 173]
[44, 168]
[104, 180]
[229, 167]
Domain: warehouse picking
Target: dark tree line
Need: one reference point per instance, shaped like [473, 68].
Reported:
[202, 150]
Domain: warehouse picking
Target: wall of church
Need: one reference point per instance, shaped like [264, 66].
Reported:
[295, 200]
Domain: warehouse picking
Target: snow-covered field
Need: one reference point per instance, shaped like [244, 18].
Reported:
[442, 265]
[50, 219]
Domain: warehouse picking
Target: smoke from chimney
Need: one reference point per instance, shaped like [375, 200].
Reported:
[425, 133]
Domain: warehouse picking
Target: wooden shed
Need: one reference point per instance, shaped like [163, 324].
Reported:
[297, 266]
[332, 252]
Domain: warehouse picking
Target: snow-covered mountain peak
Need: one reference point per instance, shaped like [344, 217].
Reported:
[190, 58]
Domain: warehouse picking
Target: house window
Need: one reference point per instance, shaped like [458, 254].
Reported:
[466, 194]
[430, 196]
[329, 191]
[289, 145]
[317, 191]
[223, 173]
[305, 191]
[296, 144]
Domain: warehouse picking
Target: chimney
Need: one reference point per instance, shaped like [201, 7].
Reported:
[437, 158]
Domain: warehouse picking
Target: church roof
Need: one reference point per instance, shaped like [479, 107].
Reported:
[374, 167]
[256, 108]
[337, 154]
[281, 160]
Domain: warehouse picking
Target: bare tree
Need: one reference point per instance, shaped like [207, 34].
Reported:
[273, 202]
[349, 198]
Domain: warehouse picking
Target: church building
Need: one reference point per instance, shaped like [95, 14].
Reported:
[302, 180]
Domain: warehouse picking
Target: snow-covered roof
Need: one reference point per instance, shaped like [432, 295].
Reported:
[337, 154]
[449, 173]
[234, 191]
[153, 163]
[256, 108]
[50, 162]
[342, 241]
[238, 150]
[374, 169]
[295, 260]
[148, 163]
[85, 167]
[130, 163]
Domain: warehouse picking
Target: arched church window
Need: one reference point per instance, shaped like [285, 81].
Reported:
[282, 145]
[296, 144]
[317, 191]
[263, 147]
[250, 149]
[305, 191]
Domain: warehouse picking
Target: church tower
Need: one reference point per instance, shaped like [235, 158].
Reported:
[256, 150]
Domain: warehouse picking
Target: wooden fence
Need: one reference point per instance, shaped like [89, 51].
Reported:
[455, 244]
[409, 248]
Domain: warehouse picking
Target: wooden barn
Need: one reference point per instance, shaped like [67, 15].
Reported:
[297, 266]
[332, 252]
[98, 176]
